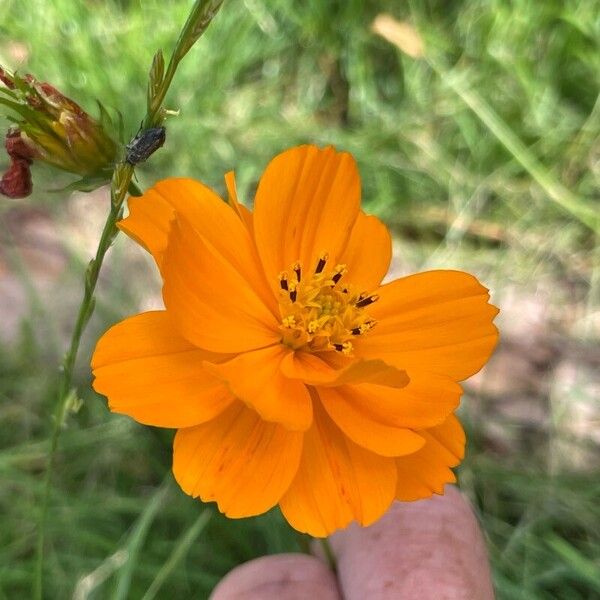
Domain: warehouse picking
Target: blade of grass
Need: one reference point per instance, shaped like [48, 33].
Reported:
[87, 584]
[585, 568]
[180, 550]
[76, 439]
[556, 191]
[136, 540]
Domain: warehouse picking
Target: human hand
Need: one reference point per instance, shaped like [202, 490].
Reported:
[427, 550]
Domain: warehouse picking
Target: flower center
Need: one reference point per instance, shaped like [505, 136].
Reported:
[319, 312]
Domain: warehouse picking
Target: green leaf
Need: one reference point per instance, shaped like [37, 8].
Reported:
[202, 14]
[584, 567]
[156, 77]
[136, 539]
[85, 184]
[104, 117]
[180, 549]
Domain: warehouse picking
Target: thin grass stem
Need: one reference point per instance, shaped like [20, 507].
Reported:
[179, 552]
[200, 16]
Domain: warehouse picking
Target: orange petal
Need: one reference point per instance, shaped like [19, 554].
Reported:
[361, 426]
[368, 253]
[438, 321]
[243, 213]
[152, 214]
[149, 222]
[237, 460]
[427, 471]
[210, 302]
[306, 203]
[372, 371]
[314, 370]
[426, 401]
[338, 482]
[308, 367]
[155, 376]
[256, 378]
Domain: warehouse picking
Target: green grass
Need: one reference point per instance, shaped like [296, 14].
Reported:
[485, 153]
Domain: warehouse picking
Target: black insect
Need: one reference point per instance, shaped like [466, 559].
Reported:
[145, 144]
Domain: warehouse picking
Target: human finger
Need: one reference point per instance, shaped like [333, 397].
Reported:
[279, 577]
[430, 549]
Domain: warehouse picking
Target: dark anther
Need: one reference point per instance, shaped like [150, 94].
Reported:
[366, 301]
[283, 283]
[356, 331]
[321, 265]
[336, 278]
[293, 295]
[298, 272]
[338, 347]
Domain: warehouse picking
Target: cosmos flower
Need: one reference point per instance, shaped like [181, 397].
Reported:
[292, 376]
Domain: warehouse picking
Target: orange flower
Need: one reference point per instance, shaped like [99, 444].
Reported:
[292, 375]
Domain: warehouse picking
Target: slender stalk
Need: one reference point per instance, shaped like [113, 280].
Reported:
[182, 545]
[65, 392]
[329, 555]
[199, 19]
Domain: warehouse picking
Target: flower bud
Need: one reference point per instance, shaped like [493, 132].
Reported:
[51, 128]
[16, 182]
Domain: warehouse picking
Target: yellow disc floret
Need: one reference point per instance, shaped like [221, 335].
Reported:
[318, 313]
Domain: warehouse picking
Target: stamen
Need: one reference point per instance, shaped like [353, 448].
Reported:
[289, 322]
[316, 314]
[363, 328]
[339, 272]
[293, 291]
[298, 270]
[345, 348]
[362, 302]
[283, 281]
[322, 262]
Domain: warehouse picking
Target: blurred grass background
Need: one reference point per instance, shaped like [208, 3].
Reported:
[481, 152]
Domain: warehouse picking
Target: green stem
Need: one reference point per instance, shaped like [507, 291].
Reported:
[329, 555]
[199, 19]
[109, 232]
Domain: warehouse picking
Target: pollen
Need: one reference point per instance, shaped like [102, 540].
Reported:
[289, 322]
[318, 312]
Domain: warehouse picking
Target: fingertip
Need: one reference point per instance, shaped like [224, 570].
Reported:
[428, 549]
[278, 577]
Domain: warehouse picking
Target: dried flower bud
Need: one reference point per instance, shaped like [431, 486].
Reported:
[16, 182]
[19, 146]
[54, 129]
